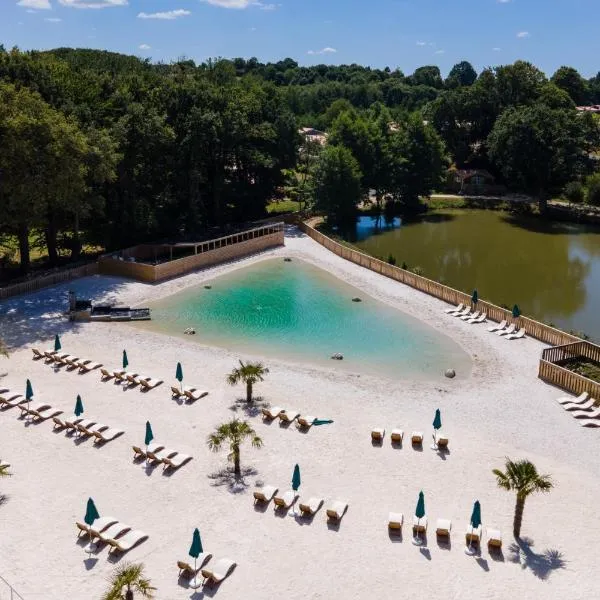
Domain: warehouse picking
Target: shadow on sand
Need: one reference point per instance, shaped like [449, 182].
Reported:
[542, 564]
[235, 484]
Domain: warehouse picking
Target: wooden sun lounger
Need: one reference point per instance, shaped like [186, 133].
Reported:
[516, 336]
[186, 570]
[160, 455]
[310, 507]
[286, 500]
[132, 378]
[288, 416]
[138, 452]
[499, 326]
[416, 438]
[337, 510]
[99, 525]
[106, 435]
[377, 435]
[128, 541]
[90, 429]
[110, 373]
[305, 421]
[494, 539]
[149, 383]
[44, 415]
[60, 424]
[569, 400]
[65, 359]
[454, 308]
[397, 436]
[265, 494]
[271, 413]
[88, 365]
[176, 461]
[193, 394]
[81, 424]
[177, 393]
[52, 356]
[395, 520]
[443, 527]
[32, 408]
[442, 440]
[12, 401]
[218, 570]
[473, 535]
[37, 354]
[113, 532]
[420, 525]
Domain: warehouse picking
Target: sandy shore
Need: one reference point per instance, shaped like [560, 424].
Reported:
[501, 410]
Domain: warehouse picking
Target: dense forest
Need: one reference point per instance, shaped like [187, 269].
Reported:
[104, 150]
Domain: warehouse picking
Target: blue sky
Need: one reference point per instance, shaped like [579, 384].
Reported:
[396, 33]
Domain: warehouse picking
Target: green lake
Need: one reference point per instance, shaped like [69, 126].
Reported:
[551, 270]
[296, 311]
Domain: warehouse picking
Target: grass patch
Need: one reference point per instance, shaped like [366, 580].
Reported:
[441, 202]
[583, 367]
[283, 206]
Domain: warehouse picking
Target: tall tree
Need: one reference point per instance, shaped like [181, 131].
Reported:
[461, 75]
[248, 373]
[235, 433]
[569, 80]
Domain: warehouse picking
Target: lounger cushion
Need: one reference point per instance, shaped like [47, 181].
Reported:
[494, 538]
[443, 527]
[377, 434]
[337, 509]
[417, 437]
[395, 520]
[311, 506]
[266, 493]
[420, 524]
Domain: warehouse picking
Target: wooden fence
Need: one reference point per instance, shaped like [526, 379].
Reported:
[552, 369]
[39, 283]
[535, 329]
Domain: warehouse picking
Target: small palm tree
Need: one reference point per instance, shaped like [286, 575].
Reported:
[235, 432]
[131, 578]
[249, 373]
[3, 348]
[522, 477]
[4, 471]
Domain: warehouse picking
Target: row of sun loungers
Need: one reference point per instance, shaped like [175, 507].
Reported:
[84, 365]
[397, 437]
[84, 427]
[191, 394]
[215, 572]
[443, 529]
[113, 532]
[158, 454]
[464, 312]
[145, 382]
[288, 416]
[335, 510]
[582, 408]
[509, 332]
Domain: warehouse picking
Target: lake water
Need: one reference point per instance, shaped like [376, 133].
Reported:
[296, 311]
[551, 270]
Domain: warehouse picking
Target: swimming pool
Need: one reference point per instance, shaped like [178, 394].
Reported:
[296, 311]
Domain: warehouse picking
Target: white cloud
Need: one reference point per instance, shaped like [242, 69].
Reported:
[93, 3]
[496, 49]
[36, 4]
[504, 1]
[264, 6]
[53, 20]
[523, 34]
[144, 47]
[169, 15]
[241, 4]
[440, 52]
[326, 50]
[421, 44]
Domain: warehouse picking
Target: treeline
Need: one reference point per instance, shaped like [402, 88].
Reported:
[110, 150]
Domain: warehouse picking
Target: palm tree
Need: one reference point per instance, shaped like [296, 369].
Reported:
[131, 577]
[3, 348]
[4, 471]
[235, 432]
[249, 373]
[522, 477]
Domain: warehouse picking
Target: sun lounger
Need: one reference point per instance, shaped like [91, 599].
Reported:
[186, 570]
[37, 354]
[442, 440]
[160, 455]
[271, 413]
[569, 399]
[83, 423]
[480, 319]
[99, 525]
[44, 415]
[420, 525]
[377, 435]
[498, 327]
[131, 378]
[72, 362]
[305, 421]
[337, 510]
[397, 436]
[88, 365]
[128, 541]
[176, 392]
[138, 452]
[176, 461]
[586, 414]
[114, 531]
[510, 329]
[218, 570]
[4, 465]
[288, 416]
[462, 313]
[473, 535]
[13, 400]
[310, 507]
[583, 406]
[52, 356]
[286, 500]
[149, 384]
[454, 308]
[106, 435]
[30, 408]
[395, 520]
[494, 539]
[589, 422]
[60, 424]
[443, 527]
[516, 336]
[89, 430]
[471, 316]
[193, 394]
[416, 438]
[65, 359]
[265, 494]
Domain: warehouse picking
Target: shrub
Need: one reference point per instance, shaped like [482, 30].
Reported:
[574, 192]
[391, 260]
[593, 189]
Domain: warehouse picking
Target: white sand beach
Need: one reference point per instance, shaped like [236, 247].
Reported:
[501, 410]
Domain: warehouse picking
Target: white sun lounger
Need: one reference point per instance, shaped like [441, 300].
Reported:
[99, 525]
[64, 424]
[508, 330]
[13, 400]
[186, 570]
[287, 416]
[130, 377]
[470, 316]
[305, 421]
[149, 383]
[160, 455]
[114, 531]
[480, 319]
[128, 541]
[139, 453]
[106, 435]
[494, 539]
[586, 414]
[443, 527]
[52, 356]
[583, 406]
[516, 336]
[454, 308]
[589, 422]
[176, 461]
[37, 354]
[89, 430]
[265, 494]
[498, 327]
[29, 407]
[395, 521]
[397, 436]
[88, 365]
[569, 400]
[462, 313]
[44, 412]
[310, 507]
[110, 373]
[65, 359]
[337, 510]
[271, 413]
[419, 525]
[218, 570]
[286, 500]
[194, 394]
[377, 434]
[473, 535]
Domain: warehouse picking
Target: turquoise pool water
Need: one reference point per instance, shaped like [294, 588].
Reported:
[296, 311]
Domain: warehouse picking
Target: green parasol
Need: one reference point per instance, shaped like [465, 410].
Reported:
[78, 406]
[125, 360]
[57, 345]
[419, 513]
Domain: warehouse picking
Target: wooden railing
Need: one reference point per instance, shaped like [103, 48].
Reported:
[534, 329]
[39, 283]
